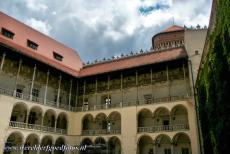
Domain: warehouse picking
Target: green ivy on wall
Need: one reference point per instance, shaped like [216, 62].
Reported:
[213, 86]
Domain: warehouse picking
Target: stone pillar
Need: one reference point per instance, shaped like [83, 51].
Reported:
[55, 124]
[16, 81]
[32, 83]
[46, 88]
[168, 82]
[109, 99]
[2, 62]
[95, 93]
[186, 85]
[122, 99]
[172, 148]
[137, 98]
[59, 89]
[83, 95]
[70, 93]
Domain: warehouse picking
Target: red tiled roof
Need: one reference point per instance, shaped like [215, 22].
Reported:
[135, 61]
[34, 55]
[71, 62]
[173, 28]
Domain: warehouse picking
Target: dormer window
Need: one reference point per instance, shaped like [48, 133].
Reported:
[32, 44]
[7, 33]
[57, 56]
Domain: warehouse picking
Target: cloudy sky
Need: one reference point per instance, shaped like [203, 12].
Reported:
[106, 28]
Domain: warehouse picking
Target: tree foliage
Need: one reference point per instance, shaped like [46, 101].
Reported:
[213, 85]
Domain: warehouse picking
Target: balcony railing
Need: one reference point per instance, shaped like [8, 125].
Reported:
[133, 102]
[101, 131]
[161, 128]
[15, 124]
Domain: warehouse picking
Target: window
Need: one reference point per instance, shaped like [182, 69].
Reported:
[185, 151]
[57, 56]
[167, 151]
[7, 33]
[32, 44]
[35, 92]
[196, 52]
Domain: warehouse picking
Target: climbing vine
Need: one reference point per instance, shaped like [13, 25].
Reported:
[213, 85]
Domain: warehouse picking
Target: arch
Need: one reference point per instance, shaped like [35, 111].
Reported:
[145, 144]
[179, 114]
[182, 143]
[14, 139]
[163, 143]
[31, 140]
[49, 118]
[87, 122]
[161, 119]
[88, 143]
[100, 146]
[101, 121]
[59, 143]
[62, 121]
[114, 145]
[35, 115]
[145, 118]
[19, 112]
[160, 110]
[46, 140]
[114, 122]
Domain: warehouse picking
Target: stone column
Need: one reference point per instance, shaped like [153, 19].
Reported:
[2, 62]
[95, 93]
[137, 97]
[46, 87]
[122, 99]
[168, 82]
[16, 81]
[70, 93]
[32, 83]
[59, 89]
[151, 75]
[186, 85]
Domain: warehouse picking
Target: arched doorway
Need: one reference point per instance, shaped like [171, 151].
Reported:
[100, 146]
[161, 120]
[62, 123]
[114, 123]
[114, 146]
[19, 113]
[145, 145]
[145, 121]
[49, 120]
[89, 146]
[15, 139]
[179, 116]
[31, 141]
[35, 116]
[87, 124]
[182, 144]
[46, 141]
[59, 143]
[163, 144]
[101, 123]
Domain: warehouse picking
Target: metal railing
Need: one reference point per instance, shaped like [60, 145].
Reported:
[101, 131]
[16, 124]
[161, 128]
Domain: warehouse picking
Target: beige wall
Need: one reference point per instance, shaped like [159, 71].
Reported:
[129, 136]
